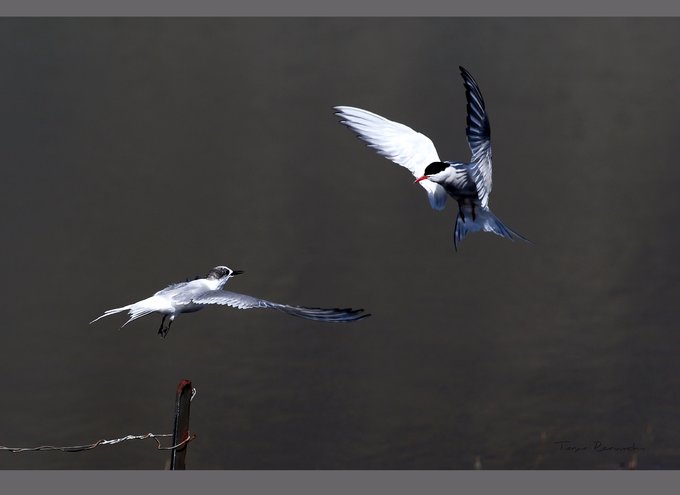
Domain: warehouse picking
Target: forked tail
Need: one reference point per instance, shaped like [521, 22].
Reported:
[134, 312]
[482, 220]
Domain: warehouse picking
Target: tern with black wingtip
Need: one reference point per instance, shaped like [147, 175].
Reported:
[194, 295]
[468, 183]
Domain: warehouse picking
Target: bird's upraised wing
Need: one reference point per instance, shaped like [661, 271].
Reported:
[242, 301]
[478, 133]
[397, 142]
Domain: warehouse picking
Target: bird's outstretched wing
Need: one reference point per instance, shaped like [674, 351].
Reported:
[397, 142]
[242, 301]
[478, 133]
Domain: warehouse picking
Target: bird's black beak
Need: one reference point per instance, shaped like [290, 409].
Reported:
[236, 272]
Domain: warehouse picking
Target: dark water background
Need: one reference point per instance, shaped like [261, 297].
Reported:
[139, 152]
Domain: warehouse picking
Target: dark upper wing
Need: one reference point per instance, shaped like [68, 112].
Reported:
[242, 301]
[478, 133]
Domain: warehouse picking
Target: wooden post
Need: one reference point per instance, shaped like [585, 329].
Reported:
[181, 431]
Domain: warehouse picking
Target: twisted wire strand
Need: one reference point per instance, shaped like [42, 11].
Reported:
[114, 441]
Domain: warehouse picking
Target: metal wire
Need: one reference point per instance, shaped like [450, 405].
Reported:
[80, 448]
[114, 441]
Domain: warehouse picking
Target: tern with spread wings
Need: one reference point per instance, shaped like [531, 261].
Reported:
[194, 295]
[468, 183]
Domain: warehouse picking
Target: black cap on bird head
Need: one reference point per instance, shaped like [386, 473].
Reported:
[432, 169]
[435, 168]
[222, 271]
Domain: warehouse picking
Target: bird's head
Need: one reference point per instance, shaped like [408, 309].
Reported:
[434, 172]
[222, 271]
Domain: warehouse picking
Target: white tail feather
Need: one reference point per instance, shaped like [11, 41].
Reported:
[111, 312]
[134, 312]
[137, 313]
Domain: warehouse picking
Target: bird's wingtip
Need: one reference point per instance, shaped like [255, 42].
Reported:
[97, 319]
[465, 73]
[340, 110]
[358, 313]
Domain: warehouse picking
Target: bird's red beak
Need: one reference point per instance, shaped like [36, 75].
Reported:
[420, 178]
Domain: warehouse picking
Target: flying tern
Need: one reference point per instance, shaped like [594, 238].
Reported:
[194, 295]
[468, 183]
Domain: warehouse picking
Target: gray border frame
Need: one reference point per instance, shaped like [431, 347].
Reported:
[339, 482]
[294, 8]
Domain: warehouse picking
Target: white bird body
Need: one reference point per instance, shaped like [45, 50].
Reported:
[468, 183]
[177, 298]
[194, 295]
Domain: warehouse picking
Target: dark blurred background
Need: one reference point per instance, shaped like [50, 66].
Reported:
[140, 152]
